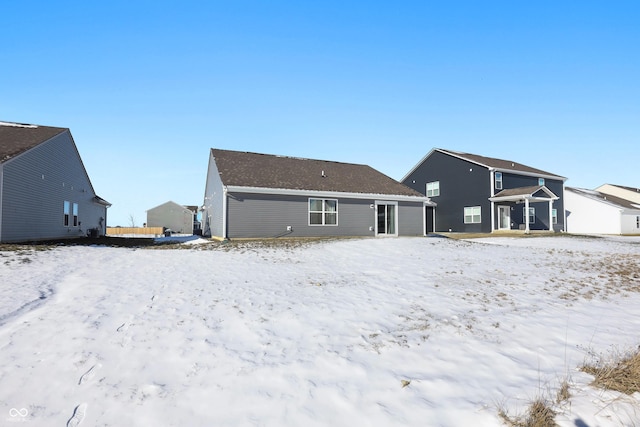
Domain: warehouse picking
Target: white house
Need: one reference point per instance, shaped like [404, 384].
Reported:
[45, 191]
[628, 193]
[594, 212]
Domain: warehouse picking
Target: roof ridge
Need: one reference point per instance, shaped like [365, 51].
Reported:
[283, 156]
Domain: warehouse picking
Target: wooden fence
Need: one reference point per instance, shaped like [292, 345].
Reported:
[147, 231]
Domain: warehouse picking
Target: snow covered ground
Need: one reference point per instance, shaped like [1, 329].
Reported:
[363, 332]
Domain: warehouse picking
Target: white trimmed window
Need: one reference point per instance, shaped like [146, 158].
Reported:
[541, 181]
[498, 177]
[532, 215]
[433, 189]
[554, 216]
[323, 212]
[75, 215]
[67, 213]
[472, 215]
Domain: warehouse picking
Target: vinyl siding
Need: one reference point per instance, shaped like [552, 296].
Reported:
[266, 215]
[411, 219]
[629, 222]
[171, 215]
[589, 216]
[542, 219]
[35, 185]
[212, 216]
[462, 184]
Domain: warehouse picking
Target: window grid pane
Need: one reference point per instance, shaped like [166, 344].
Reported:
[433, 189]
[472, 215]
[315, 218]
[323, 212]
[532, 215]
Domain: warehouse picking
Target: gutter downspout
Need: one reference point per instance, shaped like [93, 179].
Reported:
[224, 212]
[424, 219]
[434, 219]
[493, 207]
[564, 210]
[526, 215]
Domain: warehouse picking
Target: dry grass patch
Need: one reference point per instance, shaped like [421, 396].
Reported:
[242, 245]
[620, 373]
[589, 277]
[539, 414]
[563, 392]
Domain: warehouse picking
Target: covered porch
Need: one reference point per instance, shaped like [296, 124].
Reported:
[516, 196]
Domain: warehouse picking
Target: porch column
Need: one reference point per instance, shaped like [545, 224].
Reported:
[526, 216]
[550, 215]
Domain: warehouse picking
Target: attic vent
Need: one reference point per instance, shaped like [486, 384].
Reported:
[323, 175]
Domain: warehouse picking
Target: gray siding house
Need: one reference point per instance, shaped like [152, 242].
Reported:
[251, 195]
[45, 191]
[477, 194]
[177, 218]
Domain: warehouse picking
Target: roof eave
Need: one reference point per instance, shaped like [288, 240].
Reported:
[519, 172]
[99, 200]
[327, 193]
[519, 197]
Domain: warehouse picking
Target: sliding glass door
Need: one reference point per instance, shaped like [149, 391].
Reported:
[386, 219]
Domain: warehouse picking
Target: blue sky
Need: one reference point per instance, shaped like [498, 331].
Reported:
[147, 87]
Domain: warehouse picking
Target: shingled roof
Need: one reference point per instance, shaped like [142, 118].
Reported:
[244, 169]
[16, 138]
[605, 198]
[499, 164]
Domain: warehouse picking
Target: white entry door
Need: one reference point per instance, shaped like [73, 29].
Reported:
[504, 218]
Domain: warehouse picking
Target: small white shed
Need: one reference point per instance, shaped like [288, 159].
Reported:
[594, 212]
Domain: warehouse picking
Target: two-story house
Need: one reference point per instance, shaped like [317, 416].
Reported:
[45, 191]
[480, 194]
